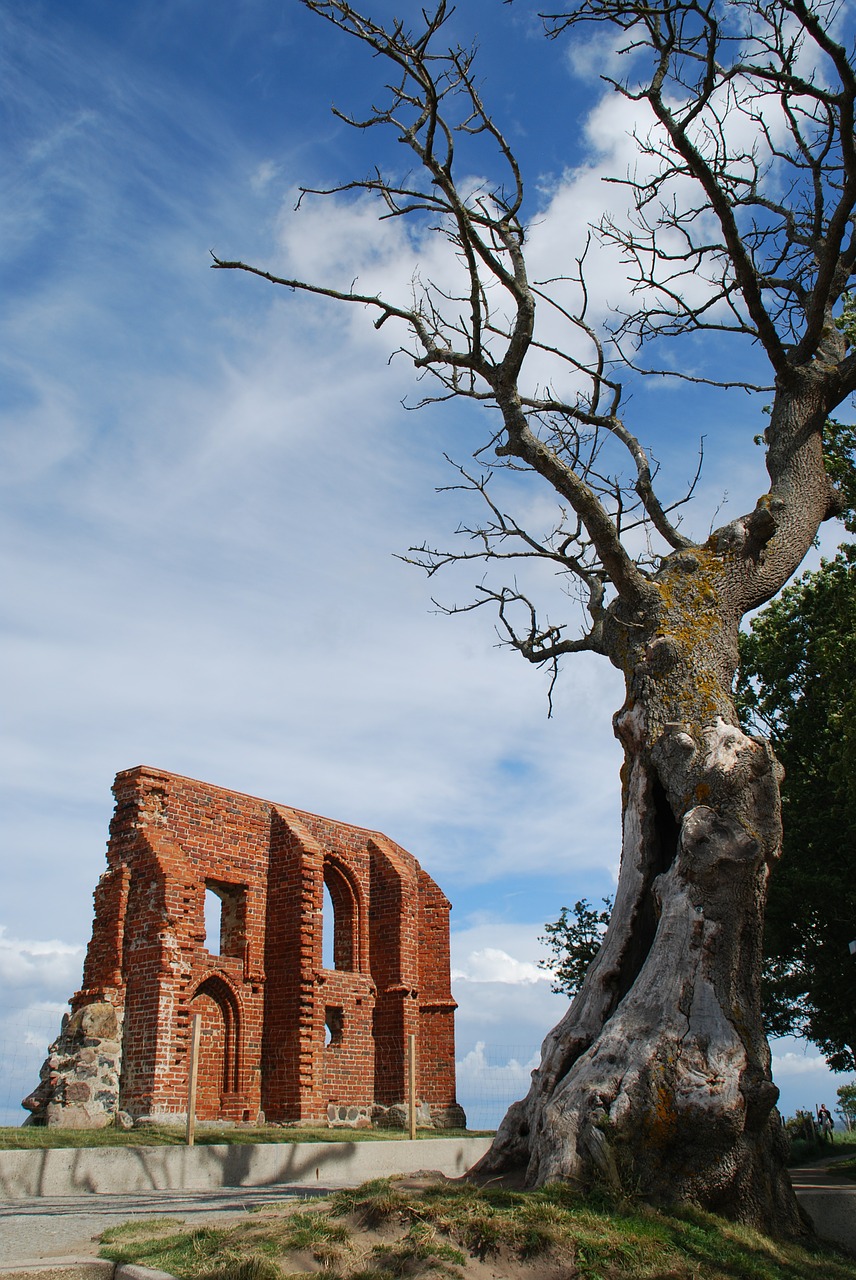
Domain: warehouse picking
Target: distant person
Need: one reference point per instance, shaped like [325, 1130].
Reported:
[824, 1121]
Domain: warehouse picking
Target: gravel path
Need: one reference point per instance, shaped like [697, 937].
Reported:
[829, 1200]
[69, 1226]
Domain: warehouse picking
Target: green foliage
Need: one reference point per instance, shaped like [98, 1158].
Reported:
[839, 448]
[847, 1102]
[243, 1252]
[313, 1233]
[804, 1152]
[796, 686]
[846, 320]
[574, 939]
[140, 1227]
[839, 440]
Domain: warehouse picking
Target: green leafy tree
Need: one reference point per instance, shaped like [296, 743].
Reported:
[847, 1103]
[840, 449]
[796, 686]
[574, 940]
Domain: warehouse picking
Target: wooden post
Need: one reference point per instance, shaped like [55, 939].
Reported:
[195, 1033]
[411, 1085]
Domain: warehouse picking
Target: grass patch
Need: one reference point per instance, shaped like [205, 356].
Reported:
[144, 1228]
[244, 1251]
[387, 1229]
[182, 1252]
[35, 1138]
[247, 1269]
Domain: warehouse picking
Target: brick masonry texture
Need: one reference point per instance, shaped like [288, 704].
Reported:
[283, 1037]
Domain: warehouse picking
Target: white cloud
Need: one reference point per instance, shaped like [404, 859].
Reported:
[489, 1081]
[505, 1009]
[338, 240]
[53, 965]
[803, 1077]
[221, 599]
[494, 965]
[480, 1061]
[265, 173]
[26, 1031]
[798, 1064]
[595, 53]
[504, 999]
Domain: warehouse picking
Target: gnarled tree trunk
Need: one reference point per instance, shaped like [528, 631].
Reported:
[657, 1079]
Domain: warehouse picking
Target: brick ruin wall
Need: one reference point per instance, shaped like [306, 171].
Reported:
[284, 1037]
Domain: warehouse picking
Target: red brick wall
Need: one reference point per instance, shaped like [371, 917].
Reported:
[268, 1002]
[436, 1033]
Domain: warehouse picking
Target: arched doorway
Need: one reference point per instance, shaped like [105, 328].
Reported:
[218, 1046]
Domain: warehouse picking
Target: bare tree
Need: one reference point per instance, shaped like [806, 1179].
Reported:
[658, 1076]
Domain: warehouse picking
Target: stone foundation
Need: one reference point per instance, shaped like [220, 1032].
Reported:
[79, 1081]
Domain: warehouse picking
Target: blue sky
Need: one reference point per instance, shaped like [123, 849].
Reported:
[206, 482]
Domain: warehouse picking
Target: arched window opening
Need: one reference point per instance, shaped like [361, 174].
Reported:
[328, 924]
[339, 943]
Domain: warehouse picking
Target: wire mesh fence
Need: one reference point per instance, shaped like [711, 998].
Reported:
[489, 1076]
[492, 1076]
[24, 1038]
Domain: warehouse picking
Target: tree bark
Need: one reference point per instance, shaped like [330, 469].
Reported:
[657, 1080]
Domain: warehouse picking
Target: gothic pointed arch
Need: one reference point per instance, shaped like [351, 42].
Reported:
[347, 915]
[220, 1045]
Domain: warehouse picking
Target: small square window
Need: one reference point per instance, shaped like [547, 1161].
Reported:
[225, 918]
[334, 1021]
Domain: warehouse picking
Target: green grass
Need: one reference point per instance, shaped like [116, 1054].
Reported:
[203, 1250]
[384, 1230]
[803, 1152]
[34, 1138]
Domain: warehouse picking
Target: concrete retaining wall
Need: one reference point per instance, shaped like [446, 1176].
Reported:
[126, 1170]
